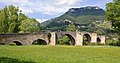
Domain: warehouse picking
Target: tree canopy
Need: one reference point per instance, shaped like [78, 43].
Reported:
[12, 21]
[113, 14]
[71, 27]
[29, 25]
[64, 40]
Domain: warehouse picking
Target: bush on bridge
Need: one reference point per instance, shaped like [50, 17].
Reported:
[113, 42]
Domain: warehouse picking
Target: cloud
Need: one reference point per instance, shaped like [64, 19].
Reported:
[26, 10]
[48, 7]
[20, 2]
[41, 20]
[67, 2]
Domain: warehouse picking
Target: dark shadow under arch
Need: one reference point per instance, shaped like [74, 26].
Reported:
[49, 37]
[98, 40]
[70, 40]
[86, 39]
[39, 42]
[2, 43]
[17, 43]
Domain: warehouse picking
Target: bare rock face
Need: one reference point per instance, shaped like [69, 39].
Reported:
[89, 10]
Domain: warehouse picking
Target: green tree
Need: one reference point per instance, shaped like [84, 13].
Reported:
[8, 19]
[3, 20]
[29, 25]
[71, 27]
[113, 14]
[64, 40]
[12, 20]
[21, 17]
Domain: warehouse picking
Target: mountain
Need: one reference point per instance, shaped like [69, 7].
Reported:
[80, 17]
[86, 11]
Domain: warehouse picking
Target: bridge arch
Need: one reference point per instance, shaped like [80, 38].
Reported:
[29, 38]
[2, 43]
[39, 42]
[86, 39]
[70, 38]
[98, 39]
[17, 42]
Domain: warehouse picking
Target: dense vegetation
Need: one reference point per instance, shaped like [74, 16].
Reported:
[113, 15]
[59, 54]
[90, 19]
[78, 16]
[12, 20]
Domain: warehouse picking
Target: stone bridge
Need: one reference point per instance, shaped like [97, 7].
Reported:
[30, 38]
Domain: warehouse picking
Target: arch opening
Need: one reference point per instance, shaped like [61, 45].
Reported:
[86, 39]
[66, 39]
[98, 40]
[2, 43]
[39, 42]
[16, 43]
[49, 37]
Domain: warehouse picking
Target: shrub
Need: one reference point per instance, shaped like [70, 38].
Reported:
[118, 43]
[2, 43]
[98, 43]
[113, 42]
[12, 44]
[93, 44]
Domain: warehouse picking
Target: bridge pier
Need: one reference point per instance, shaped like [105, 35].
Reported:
[102, 38]
[79, 39]
[93, 38]
[53, 38]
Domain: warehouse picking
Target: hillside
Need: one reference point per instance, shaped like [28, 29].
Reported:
[78, 16]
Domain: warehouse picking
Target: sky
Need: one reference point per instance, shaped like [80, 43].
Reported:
[44, 10]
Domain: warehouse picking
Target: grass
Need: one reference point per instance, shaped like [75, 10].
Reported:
[59, 54]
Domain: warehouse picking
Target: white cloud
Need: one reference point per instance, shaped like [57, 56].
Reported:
[41, 20]
[67, 2]
[49, 7]
[20, 2]
[26, 10]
